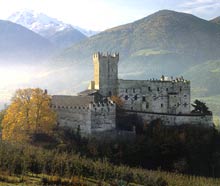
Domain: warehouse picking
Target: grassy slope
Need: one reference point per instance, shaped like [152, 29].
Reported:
[205, 83]
[205, 78]
[166, 30]
[173, 179]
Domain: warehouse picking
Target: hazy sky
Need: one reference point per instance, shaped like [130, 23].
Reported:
[103, 14]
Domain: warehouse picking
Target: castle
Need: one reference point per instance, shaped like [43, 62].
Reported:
[93, 111]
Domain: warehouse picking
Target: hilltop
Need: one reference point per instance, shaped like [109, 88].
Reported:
[165, 37]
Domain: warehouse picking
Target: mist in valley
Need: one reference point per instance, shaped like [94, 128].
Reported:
[64, 80]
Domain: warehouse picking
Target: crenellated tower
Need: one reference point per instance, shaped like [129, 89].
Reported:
[105, 73]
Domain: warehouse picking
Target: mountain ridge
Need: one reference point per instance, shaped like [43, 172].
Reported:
[17, 43]
[174, 32]
[59, 33]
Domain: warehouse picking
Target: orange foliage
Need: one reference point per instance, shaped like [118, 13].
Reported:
[28, 113]
[117, 101]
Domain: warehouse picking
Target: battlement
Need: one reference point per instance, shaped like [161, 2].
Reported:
[171, 79]
[168, 80]
[76, 107]
[103, 105]
[90, 106]
[100, 55]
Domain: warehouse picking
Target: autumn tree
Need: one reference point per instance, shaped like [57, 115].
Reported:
[118, 101]
[29, 113]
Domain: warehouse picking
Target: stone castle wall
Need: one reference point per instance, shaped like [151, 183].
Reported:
[75, 118]
[103, 117]
[94, 117]
[155, 95]
[173, 119]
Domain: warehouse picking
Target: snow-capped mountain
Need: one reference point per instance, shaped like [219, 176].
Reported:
[38, 22]
[88, 33]
[44, 25]
[61, 34]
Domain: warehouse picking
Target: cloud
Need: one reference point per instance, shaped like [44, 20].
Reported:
[203, 8]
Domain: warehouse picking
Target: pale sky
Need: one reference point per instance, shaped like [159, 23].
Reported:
[103, 14]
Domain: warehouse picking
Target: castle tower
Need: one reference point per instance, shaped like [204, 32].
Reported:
[105, 73]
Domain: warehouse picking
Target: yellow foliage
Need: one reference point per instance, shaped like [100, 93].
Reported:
[28, 113]
[117, 101]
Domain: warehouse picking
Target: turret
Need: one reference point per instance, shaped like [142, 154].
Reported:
[105, 73]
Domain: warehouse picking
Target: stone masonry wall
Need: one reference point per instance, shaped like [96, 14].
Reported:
[155, 96]
[90, 118]
[103, 117]
[74, 118]
[106, 73]
[172, 119]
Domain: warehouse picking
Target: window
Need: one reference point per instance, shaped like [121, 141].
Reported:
[126, 97]
[161, 105]
[135, 97]
[126, 90]
[158, 89]
[143, 98]
[149, 89]
[180, 89]
[147, 105]
[131, 108]
[133, 90]
[167, 89]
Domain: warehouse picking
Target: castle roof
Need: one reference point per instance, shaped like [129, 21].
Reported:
[63, 100]
[88, 92]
